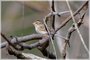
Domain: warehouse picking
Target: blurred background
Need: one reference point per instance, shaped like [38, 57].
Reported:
[17, 18]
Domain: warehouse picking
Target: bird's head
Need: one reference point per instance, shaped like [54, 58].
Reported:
[37, 22]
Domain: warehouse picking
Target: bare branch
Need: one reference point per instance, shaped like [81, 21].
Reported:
[26, 46]
[53, 7]
[76, 27]
[35, 45]
[48, 54]
[70, 31]
[14, 52]
[21, 55]
[53, 26]
[23, 39]
[69, 18]
[72, 28]
[53, 16]
[49, 33]
[32, 56]
[9, 42]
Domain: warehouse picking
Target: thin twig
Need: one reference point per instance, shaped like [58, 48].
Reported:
[76, 27]
[9, 42]
[35, 45]
[46, 53]
[70, 31]
[21, 55]
[50, 36]
[47, 29]
[53, 16]
[14, 52]
[53, 7]
[69, 18]
[72, 28]
[23, 39]
[26, 46]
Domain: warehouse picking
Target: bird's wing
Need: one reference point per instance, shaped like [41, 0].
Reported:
[42, 28]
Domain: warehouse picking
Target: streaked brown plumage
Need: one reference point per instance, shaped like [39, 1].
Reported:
[39, 27]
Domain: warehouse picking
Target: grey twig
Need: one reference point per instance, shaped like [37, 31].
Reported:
[70, 31]
[26, 46]
[9, 42]
[48, 54]
[23, 39]
[69, 18]
[21, 55]
[53, 16]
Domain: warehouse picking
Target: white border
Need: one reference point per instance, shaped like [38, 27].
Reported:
[0, 27]
[89, 30]
[45, 0]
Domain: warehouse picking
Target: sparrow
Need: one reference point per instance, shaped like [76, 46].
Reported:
[39, 27]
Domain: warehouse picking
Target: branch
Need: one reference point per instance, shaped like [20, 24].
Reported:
[35, 45]
[53, 16]
[32, 56]
[70, 31]
[21, 55]
[23, 39]
[54, 13]
[9, 43]
[45, 52]
[70, 17]
[6, 39]
[48, 54]
[53, 7]
[76, 27]
[53, 26]
[26, 46]
[72, 28]
[49, 33]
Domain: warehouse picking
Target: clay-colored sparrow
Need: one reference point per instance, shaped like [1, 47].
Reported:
[39, 27]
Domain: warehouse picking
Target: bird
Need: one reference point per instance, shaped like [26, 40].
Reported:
[39, 27]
